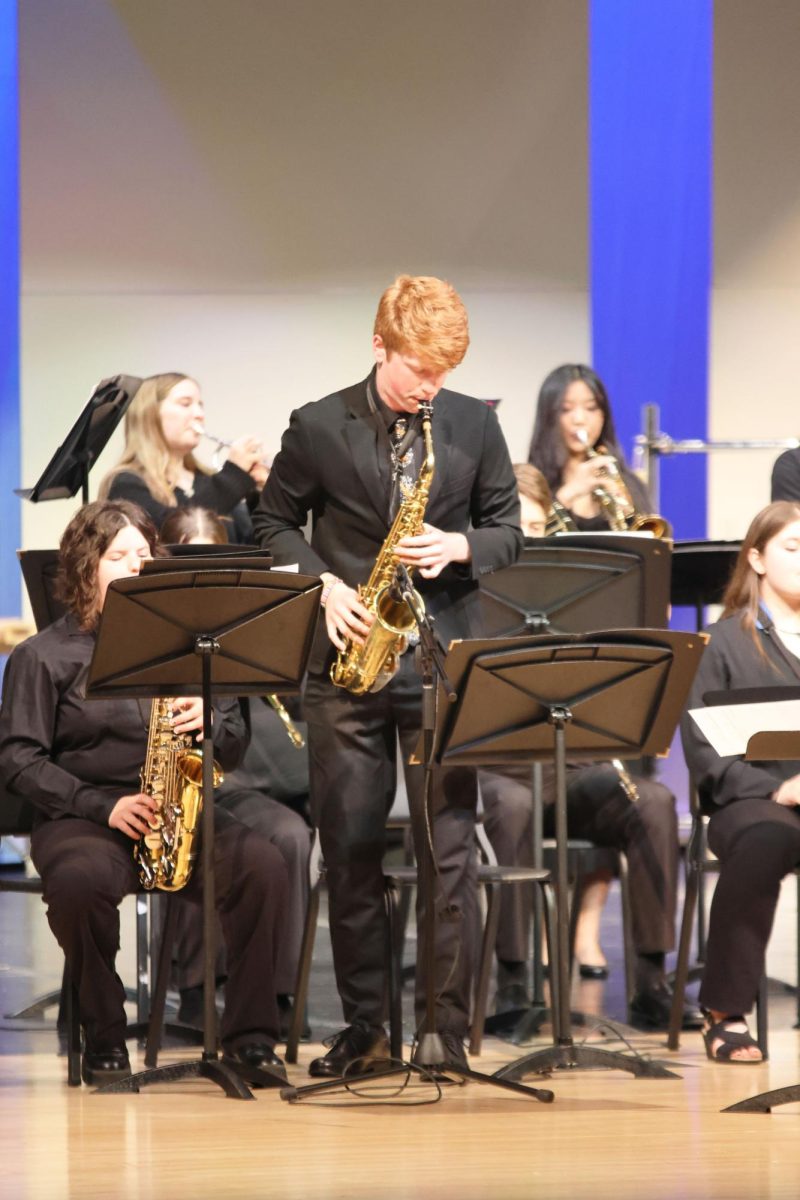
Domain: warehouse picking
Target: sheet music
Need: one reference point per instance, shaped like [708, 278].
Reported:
[729, 727]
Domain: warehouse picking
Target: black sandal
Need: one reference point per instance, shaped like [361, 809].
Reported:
[730, 1041]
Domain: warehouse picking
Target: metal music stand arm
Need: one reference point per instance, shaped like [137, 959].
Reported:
[651, 445]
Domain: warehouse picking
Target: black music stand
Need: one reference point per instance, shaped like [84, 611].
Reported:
[68, 469]
[566, 584]
[700, 574]
[160, 634]
[571, 582]
[604, 695]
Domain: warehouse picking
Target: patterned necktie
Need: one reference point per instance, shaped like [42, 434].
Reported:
[402, 466]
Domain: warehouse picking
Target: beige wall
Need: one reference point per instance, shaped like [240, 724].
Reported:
[224, 187]
[755, 326]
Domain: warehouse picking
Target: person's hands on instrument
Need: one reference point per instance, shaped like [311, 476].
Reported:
[584, 478]
[432, 550]
[132, 815]
[248, 453]
[187, 714]
[788, 794]
[345, 615]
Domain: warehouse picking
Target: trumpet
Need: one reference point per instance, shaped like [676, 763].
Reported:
[220, 444]
[617, 502]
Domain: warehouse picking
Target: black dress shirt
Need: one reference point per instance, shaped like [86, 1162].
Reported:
[224, 493]
[73, 757]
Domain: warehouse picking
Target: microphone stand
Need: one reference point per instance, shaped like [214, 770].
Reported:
[430, 1050]
[429, 1058]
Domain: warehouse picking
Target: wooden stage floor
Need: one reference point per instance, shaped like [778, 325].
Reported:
[607, 1134]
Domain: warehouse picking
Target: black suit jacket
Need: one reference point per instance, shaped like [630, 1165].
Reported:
[328, 466]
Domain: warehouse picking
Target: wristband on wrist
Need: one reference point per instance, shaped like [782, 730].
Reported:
[326, 591]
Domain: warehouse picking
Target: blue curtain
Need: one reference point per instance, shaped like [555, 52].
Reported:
[650, 226]
[9, 315]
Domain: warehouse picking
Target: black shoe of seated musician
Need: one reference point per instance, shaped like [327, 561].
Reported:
[105, 1066]
[256, 1064]
[650, 1009]
[512, 997]
[356, 1050]
[286, 1014]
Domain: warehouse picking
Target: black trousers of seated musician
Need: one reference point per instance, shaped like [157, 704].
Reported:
[86, 871]
[352, 746]
[599, 811]
[757, 843]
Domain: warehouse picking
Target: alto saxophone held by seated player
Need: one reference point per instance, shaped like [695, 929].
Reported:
[173, 775]
[368, 666]
[616, 500]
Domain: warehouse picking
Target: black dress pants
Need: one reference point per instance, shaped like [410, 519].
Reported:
[86, 871]
[757, 842]
[598, 810]
[288, 832]
[352, 746]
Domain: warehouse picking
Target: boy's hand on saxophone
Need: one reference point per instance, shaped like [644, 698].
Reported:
[345, 615]
[431, 551]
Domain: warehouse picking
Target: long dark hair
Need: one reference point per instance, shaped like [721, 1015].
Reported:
[743, 594]
[547, 449]
[84, 542]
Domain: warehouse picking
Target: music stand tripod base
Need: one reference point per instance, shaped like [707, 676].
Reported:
[429, 1072]
[766, 1101]
[211, 1069]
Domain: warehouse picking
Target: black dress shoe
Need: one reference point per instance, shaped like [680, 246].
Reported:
[257, 1064]
[513, 997]
[650, 1009]
[105, 1066]
[357, 1049]
[589, 971]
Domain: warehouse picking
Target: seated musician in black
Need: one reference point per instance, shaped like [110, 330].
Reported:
[754, 807]
[78, 761]
[267, 791]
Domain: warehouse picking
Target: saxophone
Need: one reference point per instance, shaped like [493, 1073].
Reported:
[173, 775]
[369, 665]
